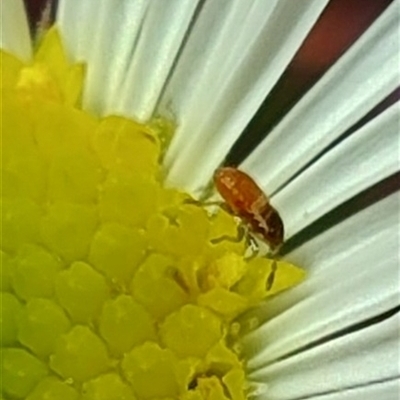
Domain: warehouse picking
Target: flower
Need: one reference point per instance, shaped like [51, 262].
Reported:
[325, 338]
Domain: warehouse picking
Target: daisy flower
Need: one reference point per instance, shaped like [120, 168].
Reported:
[119, 282]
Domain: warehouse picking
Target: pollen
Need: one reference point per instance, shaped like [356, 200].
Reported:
[113, 286]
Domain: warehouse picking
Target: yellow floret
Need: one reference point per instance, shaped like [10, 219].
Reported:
[81, 284]
[67, 229]
[33, 272]
[20, 372]
[52, 388]
[207, 388]
[107, 387]
[125, 324]
[266, 277]
[68, 77]
[223, 302]
[113, 286]
[182, 232]
[126, 145]
[155, 285]
[191, 331]
[116, 251]
[152, 371]
[40, 325]
[10, 310]
[6, 268]
[80, 355]
[20, 220]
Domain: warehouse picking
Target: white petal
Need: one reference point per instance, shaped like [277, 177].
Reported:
[354, 278]
[106, 44]
[130, 47]
[366, 356]
[218, 85]
[162, 32]
[15, 37]
[365, 75]
[115, 26]
[388, 390]
[72, 18]
[211, 49]
[116, 45]
[365, 158]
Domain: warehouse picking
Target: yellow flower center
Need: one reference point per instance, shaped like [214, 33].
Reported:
[113, 286]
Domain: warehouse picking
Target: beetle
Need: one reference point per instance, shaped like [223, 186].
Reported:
[245, 199]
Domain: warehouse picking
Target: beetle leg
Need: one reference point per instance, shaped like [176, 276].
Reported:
[271, 277]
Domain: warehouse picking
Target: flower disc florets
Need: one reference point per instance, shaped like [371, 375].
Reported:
[113, 286]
